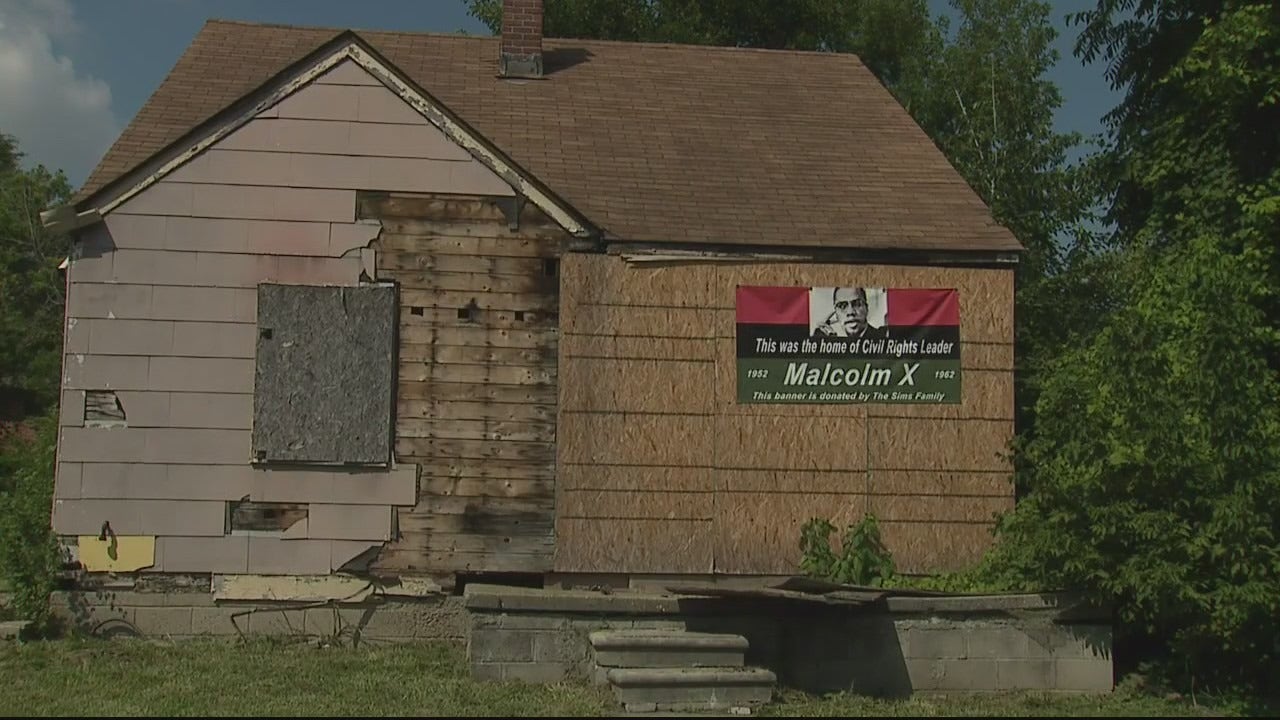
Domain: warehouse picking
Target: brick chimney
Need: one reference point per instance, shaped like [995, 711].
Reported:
[521, 53]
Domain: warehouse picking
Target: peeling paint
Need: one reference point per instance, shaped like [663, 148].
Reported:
[434, 113]
[116, 553]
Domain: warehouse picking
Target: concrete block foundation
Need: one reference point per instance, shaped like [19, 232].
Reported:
[1025, 642]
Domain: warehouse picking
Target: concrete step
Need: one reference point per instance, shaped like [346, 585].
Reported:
[667, 649]
[690, 689]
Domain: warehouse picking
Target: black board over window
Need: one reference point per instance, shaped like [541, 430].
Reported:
[324, 381]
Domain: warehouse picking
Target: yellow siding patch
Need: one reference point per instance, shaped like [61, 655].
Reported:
[117, 554]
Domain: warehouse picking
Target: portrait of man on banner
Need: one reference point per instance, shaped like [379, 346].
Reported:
[847, 312]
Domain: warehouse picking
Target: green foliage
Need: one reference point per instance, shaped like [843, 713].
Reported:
[863, 558]
[31, 289]
[1154, 467]
[978, 89]
[895, 38]
[29, 557]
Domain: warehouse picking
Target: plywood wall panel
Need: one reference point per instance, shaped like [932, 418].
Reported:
[640, 546]
[790, 443]
[760, 532]
[634, 504]
[618, 439]
[648, 478]
[624, 385]
[942, 445]
[637, 348]
[771, 467]
[934, 546]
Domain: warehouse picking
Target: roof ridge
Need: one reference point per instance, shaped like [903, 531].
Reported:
[558, 40]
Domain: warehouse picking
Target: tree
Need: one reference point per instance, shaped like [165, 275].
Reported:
[31, 289]
[1154, 471]
[981, 93]
[895, 38]
[990, 107]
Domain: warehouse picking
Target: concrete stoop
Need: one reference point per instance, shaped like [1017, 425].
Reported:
[679, 671]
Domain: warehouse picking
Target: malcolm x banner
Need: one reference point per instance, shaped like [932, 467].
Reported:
[848, 345]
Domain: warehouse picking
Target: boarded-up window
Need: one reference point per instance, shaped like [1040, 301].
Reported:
[325, 377]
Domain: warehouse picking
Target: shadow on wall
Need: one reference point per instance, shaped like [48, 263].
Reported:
[874, 651]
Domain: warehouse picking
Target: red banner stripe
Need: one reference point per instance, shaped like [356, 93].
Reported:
[773, 305]
[922, 307]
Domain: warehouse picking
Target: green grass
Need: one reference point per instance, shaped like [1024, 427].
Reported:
[265, 677]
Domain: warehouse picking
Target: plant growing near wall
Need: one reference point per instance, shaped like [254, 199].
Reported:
[29, 557]
[863, 558]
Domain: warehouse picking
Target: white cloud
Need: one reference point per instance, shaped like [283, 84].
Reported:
[61, 116]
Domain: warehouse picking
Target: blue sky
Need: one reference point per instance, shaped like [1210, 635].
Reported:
[73, 72]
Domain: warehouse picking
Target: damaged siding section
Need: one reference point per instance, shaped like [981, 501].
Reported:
[177, 430]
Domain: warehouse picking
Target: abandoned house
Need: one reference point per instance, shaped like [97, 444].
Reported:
[401, 305]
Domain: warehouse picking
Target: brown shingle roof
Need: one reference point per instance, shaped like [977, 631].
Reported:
[649, 142]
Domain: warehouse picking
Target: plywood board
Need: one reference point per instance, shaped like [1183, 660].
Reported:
[760, 532]
[757, 442]
[944, 508]
[931, 547]
[926, 444]
[339, 411]
[640, 321]
[792, 481]
[609, 279]
[636, 546]
[986, 356]
[606, 346]
[591, 476]
[634, 504]
[667, 386]
[941, 483]
[633, 439]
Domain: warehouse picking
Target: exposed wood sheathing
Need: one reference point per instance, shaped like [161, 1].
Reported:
[662, 471]
[476, 405]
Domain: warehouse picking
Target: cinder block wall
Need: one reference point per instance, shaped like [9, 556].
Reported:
[912, 645]
[181, 615]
